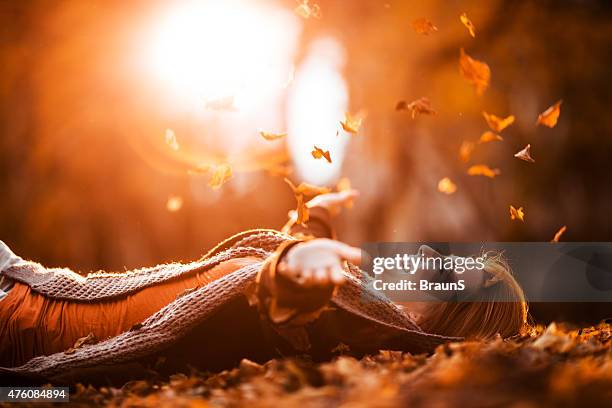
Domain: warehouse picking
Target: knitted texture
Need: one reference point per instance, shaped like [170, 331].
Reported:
[191, 309]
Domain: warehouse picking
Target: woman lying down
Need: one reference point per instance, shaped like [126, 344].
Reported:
[260, 294]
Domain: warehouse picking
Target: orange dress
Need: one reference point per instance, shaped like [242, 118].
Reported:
[32, 324]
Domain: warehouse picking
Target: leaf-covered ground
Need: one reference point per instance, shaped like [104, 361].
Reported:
[553, 366]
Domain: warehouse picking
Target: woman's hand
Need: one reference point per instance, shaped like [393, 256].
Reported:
[318, 262]
[333, 202]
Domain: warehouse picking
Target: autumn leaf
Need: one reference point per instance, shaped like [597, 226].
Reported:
[525, 154]
[221, 174]
[489, 136]
[302, 211]
[517, 214]
[446, 186]
[550, 116]
[307, 10]
[423, 26]
[465, 150]
[170, 138]
[351, 123]
[318, 153]
[496, 123]
[307, 189]
[174, 203]
[475, 72]
[557, 236]
[271, 136]
[483, 170]
[468, 24]
[89, 339]
[421, 105]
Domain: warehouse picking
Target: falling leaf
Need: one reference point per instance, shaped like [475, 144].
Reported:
[525, 154]
[550, 116]
[174, 203]
[475, 72]
[306, 10]
[483, 170]
[302, 211]
[307, 189]
[220, 175]
[318, 153]
[559, 233]
[446, 186]
[421, 105]
[351, 123]
[423, 26]
[517, 214]
[170, 138]
[468, 24]
[496, 123]
[225, 104]
[271, 136]
[465, 150]
[489, 136]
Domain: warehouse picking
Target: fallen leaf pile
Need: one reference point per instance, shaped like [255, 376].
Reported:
[551, 367]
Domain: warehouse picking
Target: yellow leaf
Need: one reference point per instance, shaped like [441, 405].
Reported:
[468, 24]
[318, 153]
[496, 123]
[557, 236]
[423, 26]
[465, 150]
[550, 116]
[489, 136]
[221, 174]
[525, 154]
[351, 123]
[446, 186]
[170, 138]
[421, 105]
[483, 170]
[271, 136]
[475, 72]
[306, 10]
[174, 203]
[517, 214]
[307, 189]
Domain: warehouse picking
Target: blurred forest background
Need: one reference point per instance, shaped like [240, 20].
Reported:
[85, 179]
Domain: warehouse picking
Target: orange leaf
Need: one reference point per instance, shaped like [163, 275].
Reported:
[525, 154]
[272, 136]
[475, 72]
[302, 211]
[465, 150]
[559, 233]
[423, 26]
[174, 203]
[307, 189]
[421, 105]
[446, 186]
[221, 174]
[170, 138]
[483, 170]
[306, 10]
[517, 214]
[351, 123]
[318, 153]
[550, 116]
[496, 123]
[489, 136]
[468, 24]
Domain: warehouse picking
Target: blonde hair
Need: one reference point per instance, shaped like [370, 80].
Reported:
[501, 307]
